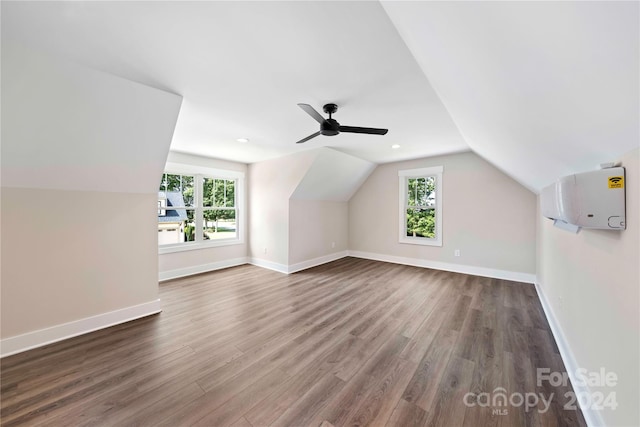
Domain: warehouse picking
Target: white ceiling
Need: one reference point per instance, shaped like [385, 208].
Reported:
[333, 176]
[540, 89]
[242, 67]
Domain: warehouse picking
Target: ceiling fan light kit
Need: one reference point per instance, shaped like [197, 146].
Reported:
[330, 127]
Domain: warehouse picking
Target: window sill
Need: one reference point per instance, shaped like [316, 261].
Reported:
[421, 241]
[182, 247]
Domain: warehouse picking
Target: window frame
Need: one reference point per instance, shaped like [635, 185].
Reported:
[199, 173]
[403, 180]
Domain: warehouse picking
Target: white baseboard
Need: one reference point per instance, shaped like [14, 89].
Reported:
[592, 417]
[280, 268]
[42, 337]
[316, 261]
[293, 268]
[203, 268]
[456, 268]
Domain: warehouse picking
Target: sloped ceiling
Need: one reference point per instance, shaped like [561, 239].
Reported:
[540, 89]
[242, 67]
[69, 127]
[333, 176]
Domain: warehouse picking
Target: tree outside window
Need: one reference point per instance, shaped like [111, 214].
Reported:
[219, 208]
[421, 206]
[195, 208]
[421, 197]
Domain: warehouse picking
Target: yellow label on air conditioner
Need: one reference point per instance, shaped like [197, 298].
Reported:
[616, 182]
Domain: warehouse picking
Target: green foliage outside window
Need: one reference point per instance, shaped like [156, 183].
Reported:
[179, 183]
[219, 195]
[421, 219]
[218, 209]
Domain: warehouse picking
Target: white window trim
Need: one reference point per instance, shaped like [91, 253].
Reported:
[241, 218]
[403, 176]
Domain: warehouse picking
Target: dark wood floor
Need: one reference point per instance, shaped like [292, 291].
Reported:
[353, 342]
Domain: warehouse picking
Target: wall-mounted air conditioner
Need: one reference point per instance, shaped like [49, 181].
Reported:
[589, 200]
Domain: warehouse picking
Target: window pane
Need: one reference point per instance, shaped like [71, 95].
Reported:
[219, 224]
[411, 191]
[179, 190]
[207, 193]
[218, 193]
[176, 226]
[421, 223]
[430, 191]
[187, 190]
[421, 191]
[230, 194]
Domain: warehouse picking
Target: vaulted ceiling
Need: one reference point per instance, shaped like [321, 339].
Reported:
[539, 89]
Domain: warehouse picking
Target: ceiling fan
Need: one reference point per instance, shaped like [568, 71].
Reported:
[330, 127]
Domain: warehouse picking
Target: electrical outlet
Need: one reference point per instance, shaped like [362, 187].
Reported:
[265, 250]
[456, 252]
[333, 244]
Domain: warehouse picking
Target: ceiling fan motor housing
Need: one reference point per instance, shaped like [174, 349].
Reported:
[330, 127]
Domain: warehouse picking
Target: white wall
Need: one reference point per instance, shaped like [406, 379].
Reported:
[317, 229]
[298, 207]
[271, 184]
[70, 255]
[183, 263]
[488, 216]
[591, 283]
[82, 154]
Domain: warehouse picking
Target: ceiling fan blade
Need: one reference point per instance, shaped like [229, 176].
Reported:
[354, 129]
[308, 138]
[312, 112]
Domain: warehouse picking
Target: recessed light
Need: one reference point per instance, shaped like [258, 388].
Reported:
[242, 140]
[394, 146]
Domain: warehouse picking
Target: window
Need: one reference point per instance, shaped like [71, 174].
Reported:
[198, 210]
[421, 206]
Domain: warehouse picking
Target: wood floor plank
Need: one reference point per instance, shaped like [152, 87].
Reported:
[51, 402]
[448, 408]
[341, 407]
[372, 371]
[273, 406]
[423, 387]
[408, 415]
[381, 400]
[163, 407]
[151, 391]
[349, 342]
[257, 377]
[243, 401]
[304, 409]
[435, 297]
[487, 378]
[242, 422]
[519, 377]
